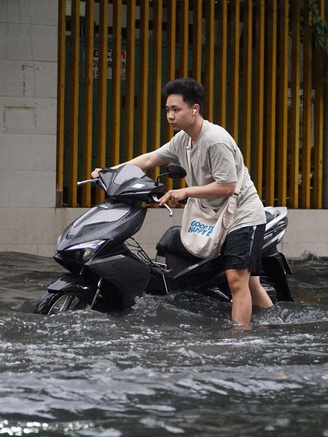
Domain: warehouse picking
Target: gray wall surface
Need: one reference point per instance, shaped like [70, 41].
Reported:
[35, 230]
[28, 100]
[29, 221]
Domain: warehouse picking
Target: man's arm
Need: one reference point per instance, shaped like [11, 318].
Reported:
[147, 161]
[213, 190]
[144, 161]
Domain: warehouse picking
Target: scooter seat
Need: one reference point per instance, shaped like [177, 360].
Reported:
[171, 243]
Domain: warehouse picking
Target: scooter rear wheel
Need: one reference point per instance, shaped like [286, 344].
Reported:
[55, 303]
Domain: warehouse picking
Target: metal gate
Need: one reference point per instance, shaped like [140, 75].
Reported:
[262, 71]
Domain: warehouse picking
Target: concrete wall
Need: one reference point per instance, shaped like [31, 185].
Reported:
[29, 221]
[307, 232]
[35, 230]
[28, 99]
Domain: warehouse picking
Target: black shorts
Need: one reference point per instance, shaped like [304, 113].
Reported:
[243, 249]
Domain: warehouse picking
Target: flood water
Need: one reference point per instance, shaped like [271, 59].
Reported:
[171, 367]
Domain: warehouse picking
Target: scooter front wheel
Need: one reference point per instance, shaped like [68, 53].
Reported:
[55, 303]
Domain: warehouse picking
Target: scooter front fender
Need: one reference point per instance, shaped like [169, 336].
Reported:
[69, 282]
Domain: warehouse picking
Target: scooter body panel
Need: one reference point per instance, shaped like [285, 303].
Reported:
[276, 267]
[128, 275]
[110, 220]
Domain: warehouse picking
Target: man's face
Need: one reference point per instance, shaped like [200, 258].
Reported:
[178, 113]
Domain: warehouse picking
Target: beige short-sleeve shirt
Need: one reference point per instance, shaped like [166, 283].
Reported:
[216, 157]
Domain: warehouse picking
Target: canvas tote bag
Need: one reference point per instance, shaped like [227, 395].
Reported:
[204, 230]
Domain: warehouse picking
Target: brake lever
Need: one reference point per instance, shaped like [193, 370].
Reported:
[169, 209]
[155, 198]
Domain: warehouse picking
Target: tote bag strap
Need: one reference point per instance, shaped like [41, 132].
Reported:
[240, 181]
[188, 149]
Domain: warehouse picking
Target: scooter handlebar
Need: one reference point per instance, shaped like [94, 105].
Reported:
[87, 181]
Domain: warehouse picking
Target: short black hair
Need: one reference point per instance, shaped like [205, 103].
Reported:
[191, 91]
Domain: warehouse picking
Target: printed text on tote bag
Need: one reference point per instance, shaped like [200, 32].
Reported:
[197, 227]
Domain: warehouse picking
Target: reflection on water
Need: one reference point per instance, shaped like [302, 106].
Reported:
[172, 366]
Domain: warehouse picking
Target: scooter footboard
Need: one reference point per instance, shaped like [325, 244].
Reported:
[276, 268]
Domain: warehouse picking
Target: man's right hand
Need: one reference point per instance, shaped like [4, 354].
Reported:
[95, 173]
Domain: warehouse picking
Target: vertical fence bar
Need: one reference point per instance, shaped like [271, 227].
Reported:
[116, 83]
[295, 104]
[307, 113]
[157, 81]
[143, 77]
[247, 81]
[130, 79]
[102, 89]
[171, 32]
[259, 94]
[197, 40]
[222, 31]
[318, 125]
[183, 38]
[88, 102]
[234, 70]
[282, 139]
[209, 58]
[270, 105]
[61, 102]
[74, 104]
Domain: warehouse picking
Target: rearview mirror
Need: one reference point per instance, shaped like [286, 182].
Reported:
[175, 171]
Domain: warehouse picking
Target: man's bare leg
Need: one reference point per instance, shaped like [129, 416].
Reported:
[259, 295]
[238, 280]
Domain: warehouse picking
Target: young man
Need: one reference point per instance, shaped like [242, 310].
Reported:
[215, 162]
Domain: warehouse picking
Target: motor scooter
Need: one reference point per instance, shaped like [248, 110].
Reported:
[108, 269]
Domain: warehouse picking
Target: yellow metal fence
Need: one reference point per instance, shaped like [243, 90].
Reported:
[263, 74]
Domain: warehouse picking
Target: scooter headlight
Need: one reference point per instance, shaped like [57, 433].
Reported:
[86, 251]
